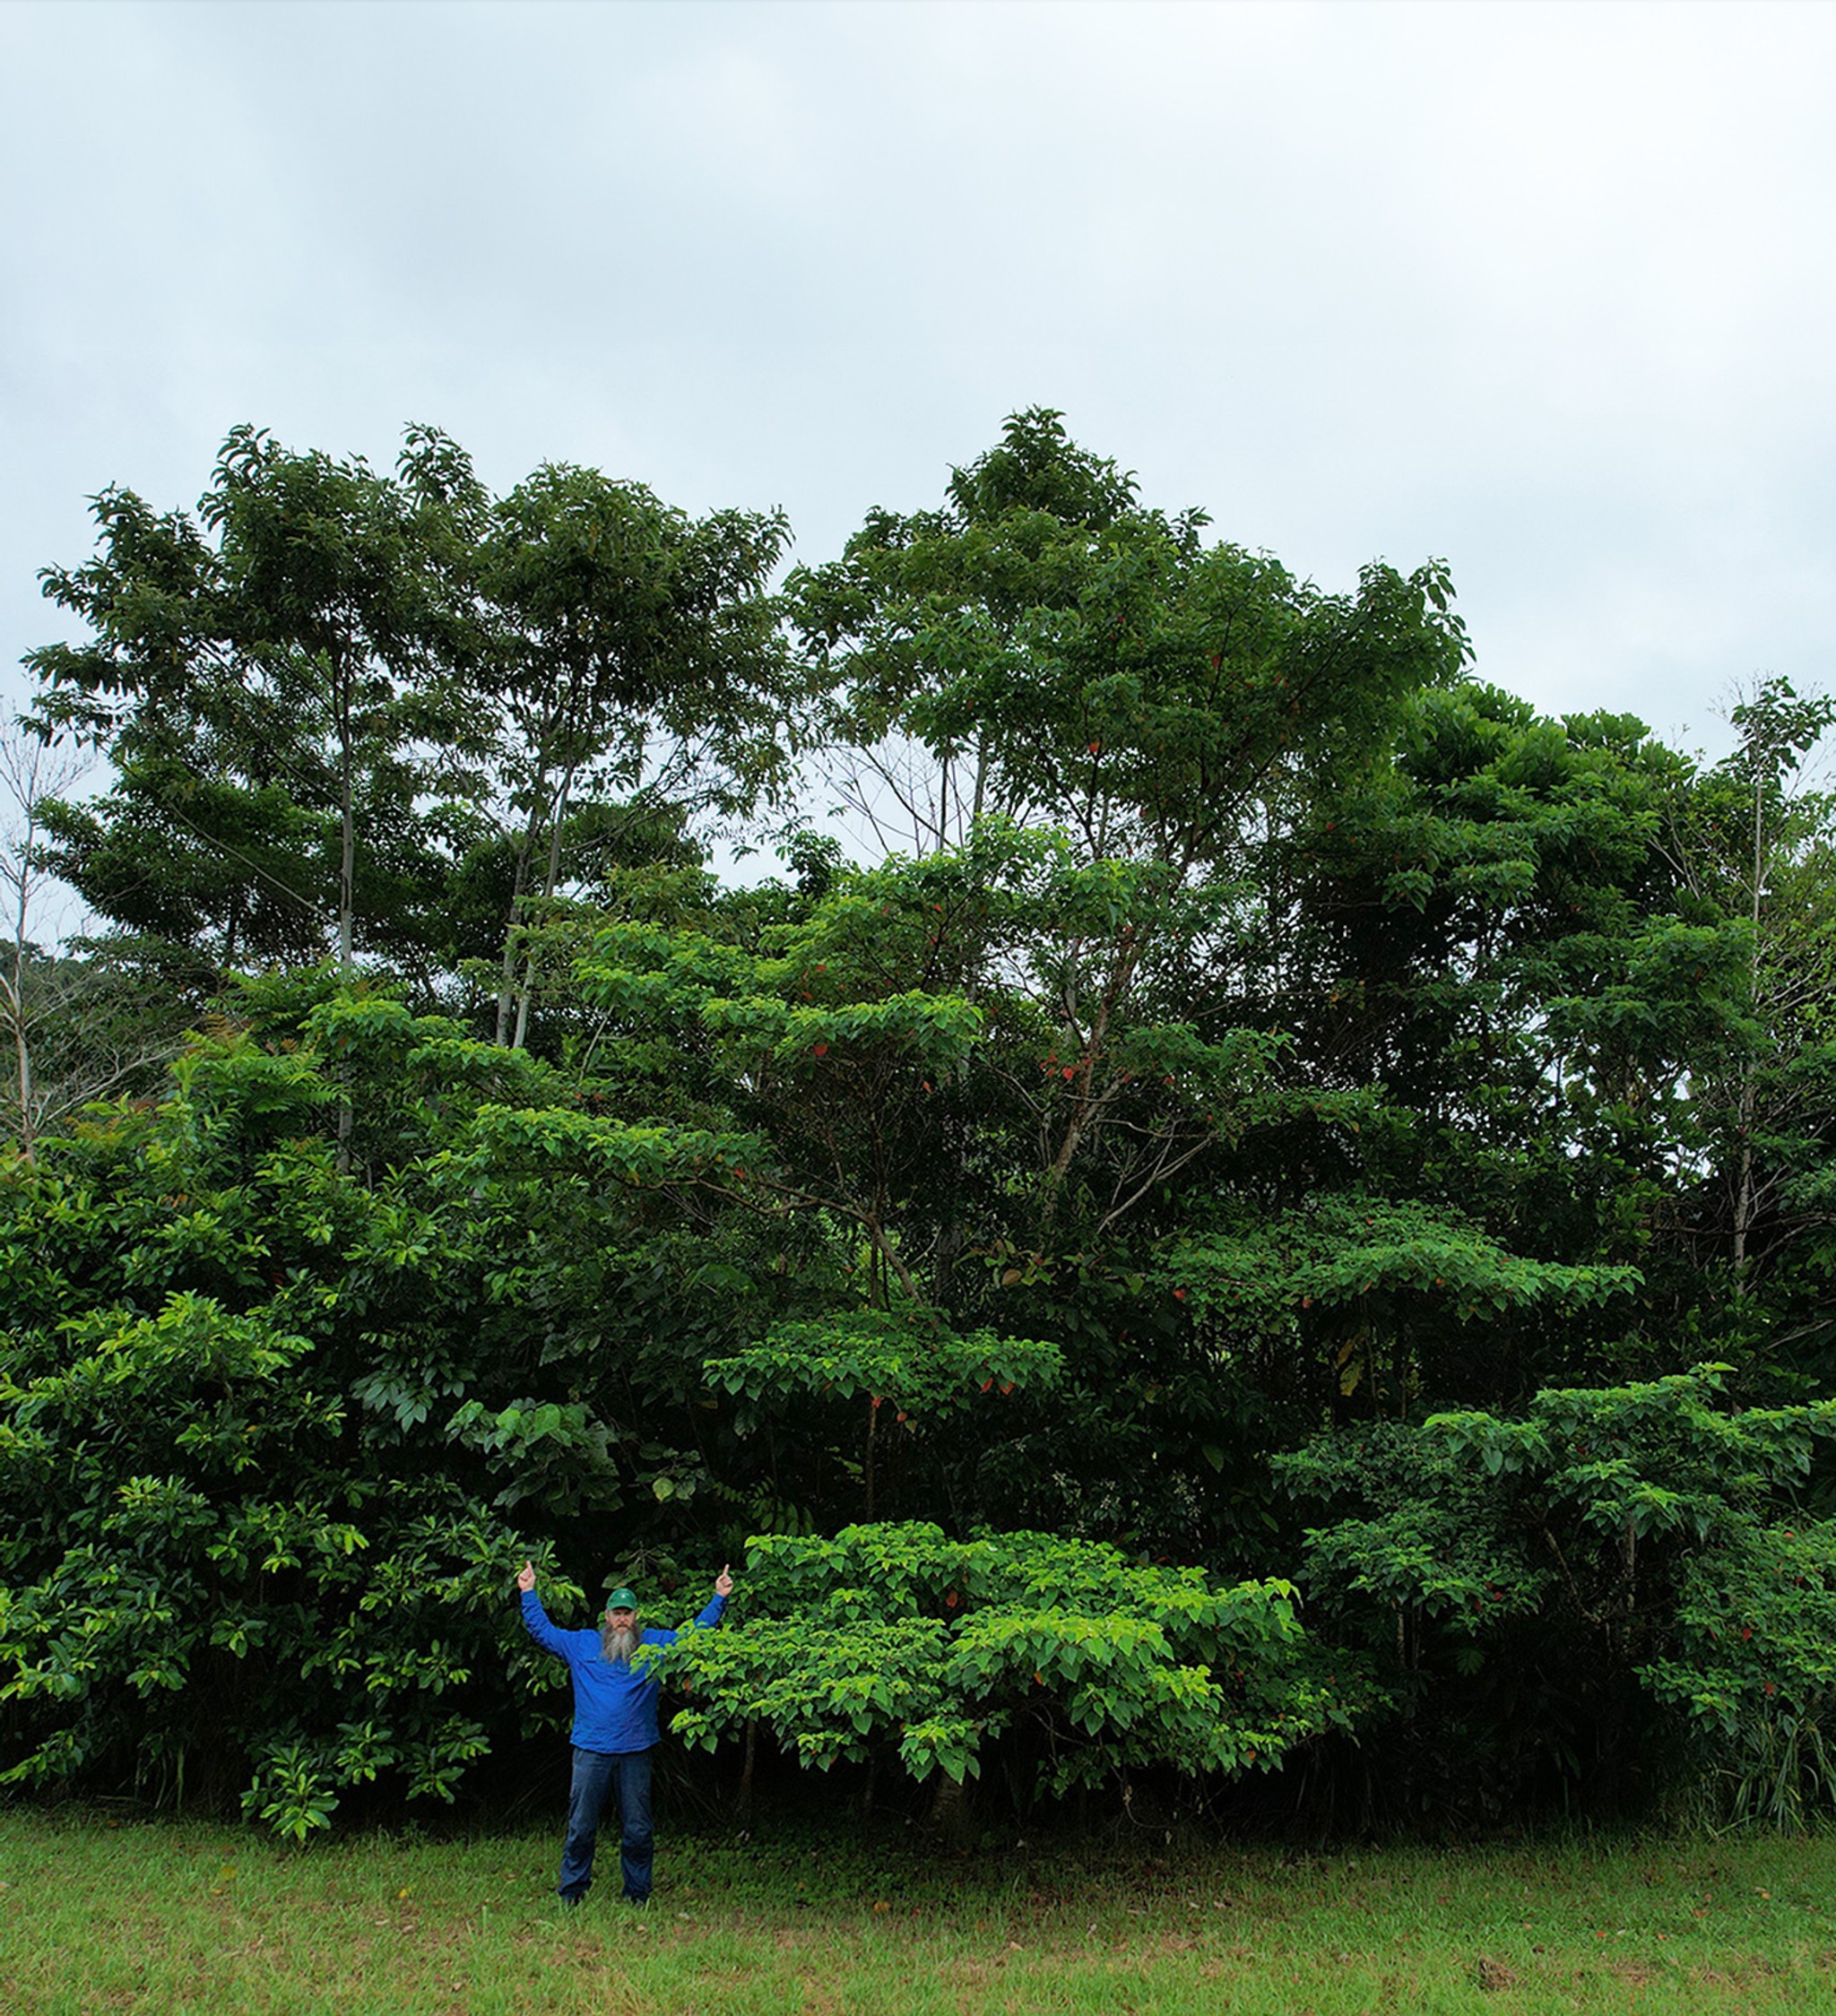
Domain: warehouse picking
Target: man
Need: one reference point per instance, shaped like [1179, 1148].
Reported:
[614, 1728]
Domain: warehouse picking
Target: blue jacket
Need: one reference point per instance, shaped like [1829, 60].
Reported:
[614, 1706]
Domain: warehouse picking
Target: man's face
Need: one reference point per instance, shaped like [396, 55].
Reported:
[621, 1620]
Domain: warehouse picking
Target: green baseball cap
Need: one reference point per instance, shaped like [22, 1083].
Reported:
[622, 1599]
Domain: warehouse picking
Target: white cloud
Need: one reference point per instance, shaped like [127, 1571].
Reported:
[1540, 288]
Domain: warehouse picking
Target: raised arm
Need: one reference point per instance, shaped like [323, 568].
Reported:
[722, 1589]
[535, 1618]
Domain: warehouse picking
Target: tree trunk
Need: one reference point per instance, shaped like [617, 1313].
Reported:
[1749, 1090]
[347, 898]
[551, 881]
[949, 1810]
[742, 1802]
[347, 836]
[506, 975]
[14, 994]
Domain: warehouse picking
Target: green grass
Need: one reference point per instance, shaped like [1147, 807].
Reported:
[97, 1914]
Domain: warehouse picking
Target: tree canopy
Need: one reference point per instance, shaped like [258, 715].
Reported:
[1280, 1243]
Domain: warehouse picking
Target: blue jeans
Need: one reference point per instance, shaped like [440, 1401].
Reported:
[596, 1778]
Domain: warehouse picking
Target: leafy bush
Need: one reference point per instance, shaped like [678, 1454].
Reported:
[271, 1395]
[1547, 1590]
[894, 1638]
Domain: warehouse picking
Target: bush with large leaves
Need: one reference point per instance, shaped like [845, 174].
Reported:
[271, 1400]
[1585, 1593]
[1071, 1660]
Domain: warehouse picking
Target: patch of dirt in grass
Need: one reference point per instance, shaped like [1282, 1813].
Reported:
[1233, 1957]
[1165, 1945]
[801, 1939]
[1745, 1970]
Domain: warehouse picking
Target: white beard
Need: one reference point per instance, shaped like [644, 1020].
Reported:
[617, 1647]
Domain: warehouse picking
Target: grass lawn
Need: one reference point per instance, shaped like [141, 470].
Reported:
[98, 1914]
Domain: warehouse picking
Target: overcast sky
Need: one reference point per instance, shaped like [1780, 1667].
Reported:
[1546, 290]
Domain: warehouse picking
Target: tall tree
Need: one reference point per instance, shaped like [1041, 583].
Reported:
[354, 714]
[637, 653]
[74, 1029]
[281, 686]
[1753, 841]
[1067, 656]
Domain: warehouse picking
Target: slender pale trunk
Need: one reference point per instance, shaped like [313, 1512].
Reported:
[541, 745]
[21, 1046]
[1743, 1188]
[507, 973]
[14, 991]
[347, 878]
[347, 893]
[550, 882]
[27, 1132]
[347, 835]
[1749, 1087]
[1086, 1104]
[14, 997]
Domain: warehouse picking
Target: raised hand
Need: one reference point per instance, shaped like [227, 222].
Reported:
[525, 1576]
[724, 1583]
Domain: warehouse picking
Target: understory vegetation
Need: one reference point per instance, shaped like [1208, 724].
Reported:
[1265, 1251]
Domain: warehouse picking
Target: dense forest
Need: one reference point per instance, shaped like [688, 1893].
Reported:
[1269, 1248]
